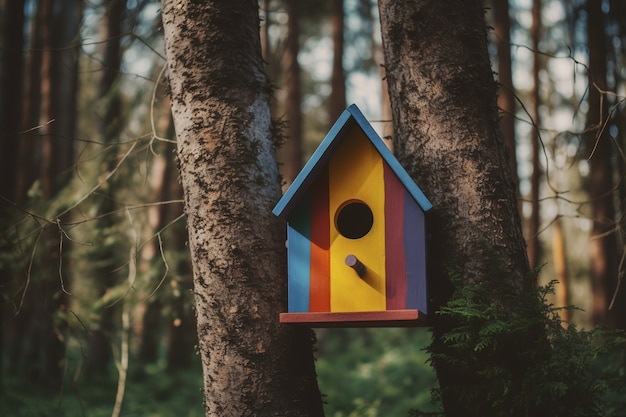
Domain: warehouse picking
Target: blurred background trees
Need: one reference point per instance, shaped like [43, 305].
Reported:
[95, 274]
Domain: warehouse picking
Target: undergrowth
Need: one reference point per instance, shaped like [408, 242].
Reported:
[157, 393]
[507, 353]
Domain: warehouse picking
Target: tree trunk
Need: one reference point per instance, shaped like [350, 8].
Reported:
[182, 335]
[29, 154]
[18, 326]
[67, 20]
[506, 93]
[534, 244]
[292, 148]
[559, 259]
[12, 15]
[337, 100]
[617, 17]
[99, 349]
[11, 90]
[385, 102]
[447, 136]
[603, 241]
[447, 131]
[220, 101]
[46, 131]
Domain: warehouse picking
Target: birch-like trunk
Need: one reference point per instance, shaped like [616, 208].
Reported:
[252, 365]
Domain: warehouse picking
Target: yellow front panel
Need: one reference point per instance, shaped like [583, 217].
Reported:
[356, 173]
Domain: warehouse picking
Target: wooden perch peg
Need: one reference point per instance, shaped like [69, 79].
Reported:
[357, 265]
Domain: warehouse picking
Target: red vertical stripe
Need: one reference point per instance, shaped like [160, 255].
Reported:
[395, 273]
[320, 243]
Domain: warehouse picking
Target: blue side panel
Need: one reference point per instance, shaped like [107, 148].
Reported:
[415, 250]
[299, 254]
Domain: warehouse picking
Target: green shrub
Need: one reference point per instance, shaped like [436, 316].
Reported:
[506, 353]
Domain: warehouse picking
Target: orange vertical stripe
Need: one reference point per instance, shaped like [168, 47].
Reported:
[320, 243]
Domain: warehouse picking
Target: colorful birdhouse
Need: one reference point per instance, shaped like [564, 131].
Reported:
[356, 238]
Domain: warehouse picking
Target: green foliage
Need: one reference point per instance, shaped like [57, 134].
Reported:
[505, 352]
[156, 393]
[374, 372]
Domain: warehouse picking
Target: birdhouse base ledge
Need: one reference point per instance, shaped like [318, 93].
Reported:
[388, 318]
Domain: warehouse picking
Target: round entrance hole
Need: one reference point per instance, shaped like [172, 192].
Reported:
[354, 219]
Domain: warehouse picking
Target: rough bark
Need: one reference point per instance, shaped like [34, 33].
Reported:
[220, 101]
[447, 136]
[447, 131]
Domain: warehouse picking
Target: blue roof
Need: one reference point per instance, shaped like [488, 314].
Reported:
[325, 151]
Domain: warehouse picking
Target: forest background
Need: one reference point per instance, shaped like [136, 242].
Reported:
[97, 303]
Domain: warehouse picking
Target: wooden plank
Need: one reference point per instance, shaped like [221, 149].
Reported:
[415, 244]
[356, 173]
[298, 235]
[395, 275]
[389, 318]
[320, 245]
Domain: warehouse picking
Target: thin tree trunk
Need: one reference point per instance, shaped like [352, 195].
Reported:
[292, 148]
[182, 334]
[148, 313]
[46, 131]
[251, 364]
[19, 353]
[617, 16]
[603, 241]
[46, 348]
[506, 94]
[265, 31]
[385, 114]
[99, 348]
[29, 154]
[11, 90]
[559, 259]
[68, 16]
[12, 15]
[337, 100]
[534, 244]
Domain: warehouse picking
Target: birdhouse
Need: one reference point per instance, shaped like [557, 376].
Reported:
[356, 240]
